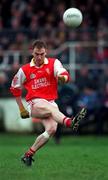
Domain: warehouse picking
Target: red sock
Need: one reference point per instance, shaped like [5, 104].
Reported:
[30, 152]
[67, 121]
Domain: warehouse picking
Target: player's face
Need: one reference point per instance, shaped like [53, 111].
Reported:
[39, 56]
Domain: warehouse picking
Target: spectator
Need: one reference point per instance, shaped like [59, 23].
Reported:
[103, 79]
[3, 80]
[84, 78]
[90, 99]
[103, 113]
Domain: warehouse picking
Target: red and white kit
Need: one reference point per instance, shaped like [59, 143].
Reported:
[40, 82]
[40, 78]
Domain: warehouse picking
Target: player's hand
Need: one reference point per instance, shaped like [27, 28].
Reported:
[62, 79]
[24, 113]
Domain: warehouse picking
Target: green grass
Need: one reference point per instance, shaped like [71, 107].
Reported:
[76, 158]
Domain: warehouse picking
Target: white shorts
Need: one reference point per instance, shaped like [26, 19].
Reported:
[37, 101]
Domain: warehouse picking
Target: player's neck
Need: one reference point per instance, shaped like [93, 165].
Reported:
[39, 64]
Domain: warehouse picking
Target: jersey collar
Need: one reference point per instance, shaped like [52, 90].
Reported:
[33, 64]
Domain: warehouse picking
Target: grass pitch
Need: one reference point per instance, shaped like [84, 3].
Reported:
[76, 158]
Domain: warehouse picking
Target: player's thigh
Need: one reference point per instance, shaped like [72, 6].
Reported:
[43, 108]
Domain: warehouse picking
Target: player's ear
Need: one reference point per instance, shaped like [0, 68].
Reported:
[46, 52]
[32, 52]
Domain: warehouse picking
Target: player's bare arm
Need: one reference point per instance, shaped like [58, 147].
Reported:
[23, 112]
[16, 89]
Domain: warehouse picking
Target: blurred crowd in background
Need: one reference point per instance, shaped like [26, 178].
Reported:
[22, 21]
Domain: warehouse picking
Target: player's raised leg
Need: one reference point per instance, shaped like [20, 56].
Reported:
[43, 108]
[79, 116]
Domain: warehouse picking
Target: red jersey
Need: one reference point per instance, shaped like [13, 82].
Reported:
[40, 82]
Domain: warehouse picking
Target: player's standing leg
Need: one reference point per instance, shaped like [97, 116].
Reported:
[50, 129]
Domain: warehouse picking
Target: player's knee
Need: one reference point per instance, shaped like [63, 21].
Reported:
[52, 130]
[46, 135]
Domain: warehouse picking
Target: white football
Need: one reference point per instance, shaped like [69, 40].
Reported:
[72, 17]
